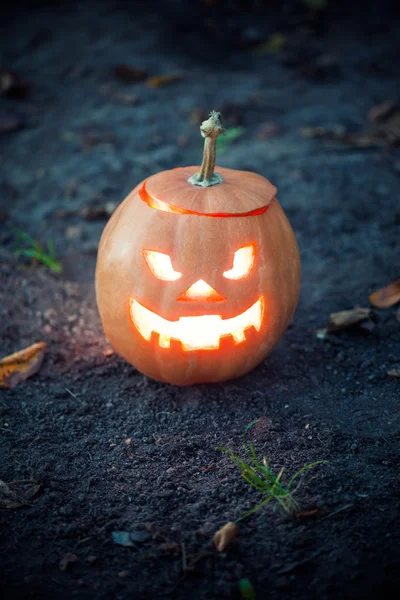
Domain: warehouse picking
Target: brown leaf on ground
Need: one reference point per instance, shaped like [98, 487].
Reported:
[384, 132]
[17, 493]
[67, 560]
[17, 367]
[163, 80]
[225, 535]
[387, 296]
[344, 319]
[129, 74]
[394, 372]
[13, 85]
[347, 318]
[381, 111]
[361, 140]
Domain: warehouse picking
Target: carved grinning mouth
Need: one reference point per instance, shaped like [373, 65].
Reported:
[196, 333]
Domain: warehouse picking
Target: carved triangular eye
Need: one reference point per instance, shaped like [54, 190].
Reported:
[243, 261]
[160, 265]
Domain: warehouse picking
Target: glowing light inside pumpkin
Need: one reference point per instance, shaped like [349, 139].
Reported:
[201, 291]
[160, 265]
[243, 261]
[196, 333]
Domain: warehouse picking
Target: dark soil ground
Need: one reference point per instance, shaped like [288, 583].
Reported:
[114, 451]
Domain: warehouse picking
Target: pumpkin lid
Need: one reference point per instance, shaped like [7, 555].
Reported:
[241, 193]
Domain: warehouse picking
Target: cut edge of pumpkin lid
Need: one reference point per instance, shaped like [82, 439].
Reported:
[169, 191]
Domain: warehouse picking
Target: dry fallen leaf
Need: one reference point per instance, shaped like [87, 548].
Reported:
[387, 296]
[129, 74]
[17, 493]
[17, 367]
[67, 560]
[345, 319]
[385, 130]
[162, 80]
[359, 140]
[394, 372]
[13, 85]
[381, 111]
[224, 536]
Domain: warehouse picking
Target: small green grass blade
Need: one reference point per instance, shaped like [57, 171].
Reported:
[263, 479]
[305, 468]
[255, 509]
[232, 134]
[35, 250]
[247, 590]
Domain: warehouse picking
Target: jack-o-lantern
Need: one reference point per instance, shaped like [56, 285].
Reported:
[198, 273]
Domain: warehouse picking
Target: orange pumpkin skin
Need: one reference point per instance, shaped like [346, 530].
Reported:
[200, 247]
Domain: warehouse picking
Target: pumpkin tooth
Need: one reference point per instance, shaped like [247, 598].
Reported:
[164, 340]
[238, 336]
[198, 333]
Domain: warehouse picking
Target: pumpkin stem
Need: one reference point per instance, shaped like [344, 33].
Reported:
[210, 130]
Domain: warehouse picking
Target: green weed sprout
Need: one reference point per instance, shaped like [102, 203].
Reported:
[247, 590]
[259, 475]
[232, 134]
[27, 246]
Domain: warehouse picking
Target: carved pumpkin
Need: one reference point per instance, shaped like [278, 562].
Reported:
[198, 273]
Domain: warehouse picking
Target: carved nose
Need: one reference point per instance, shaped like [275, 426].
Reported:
[201, 291]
